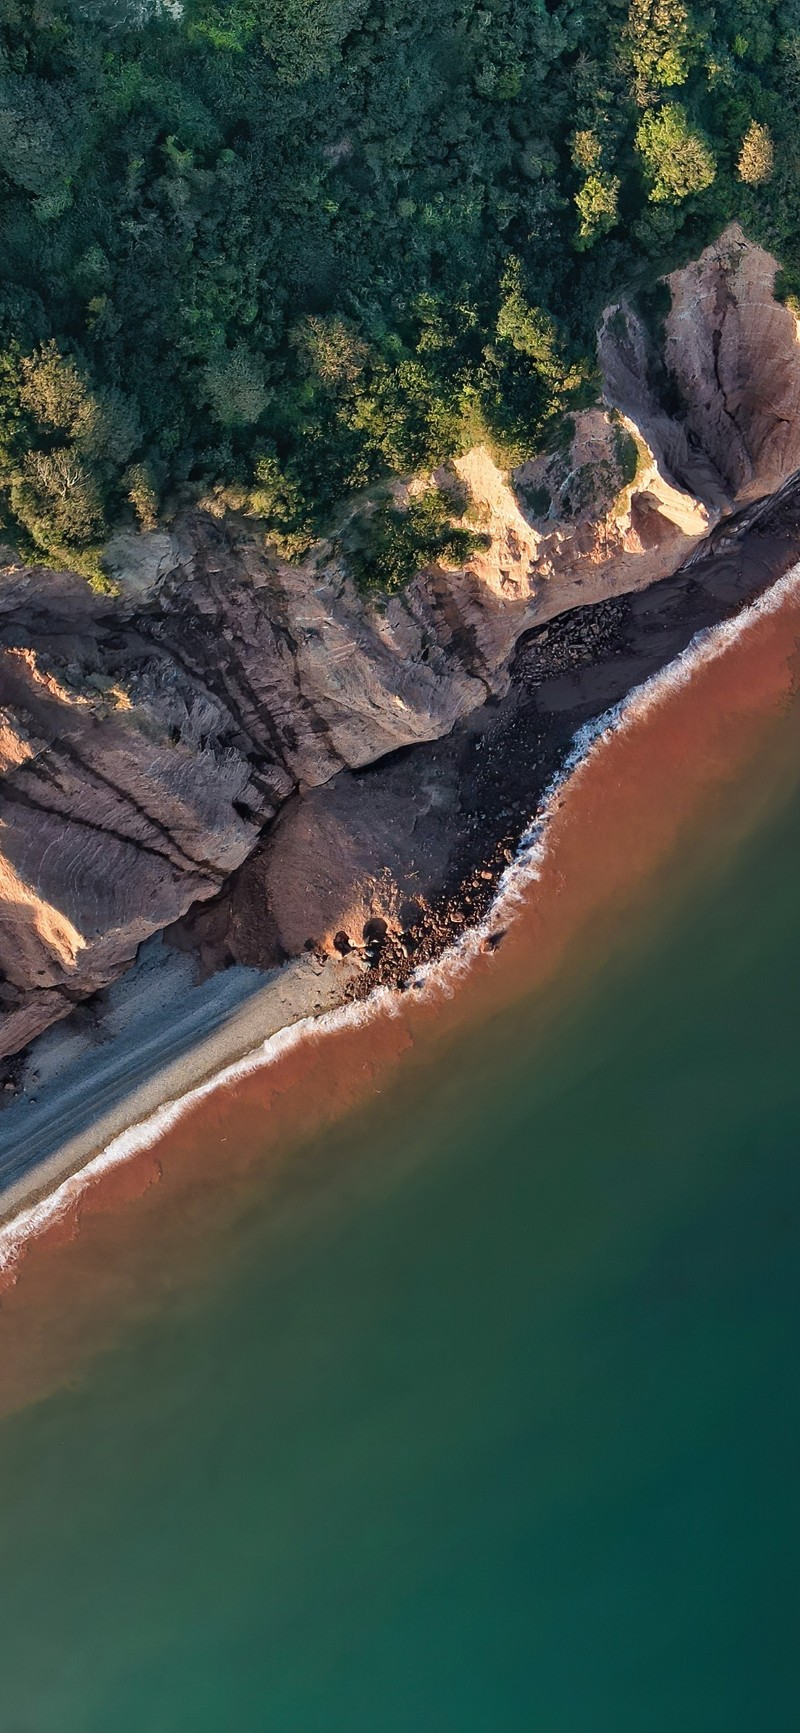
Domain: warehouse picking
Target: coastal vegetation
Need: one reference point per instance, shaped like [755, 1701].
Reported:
[266, 253]
[393, 543]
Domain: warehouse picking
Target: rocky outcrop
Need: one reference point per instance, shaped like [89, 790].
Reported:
[732, 351]
[389, 862]
[147, 738]
[367, 847]
[730, 361]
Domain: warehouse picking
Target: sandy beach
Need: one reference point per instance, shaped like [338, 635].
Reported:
[165, 1035]
[96, 1088]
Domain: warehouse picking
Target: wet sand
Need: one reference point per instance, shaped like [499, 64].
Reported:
[176, 1045]
[654, 805]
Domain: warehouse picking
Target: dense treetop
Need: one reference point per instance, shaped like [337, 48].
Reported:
[264, 252]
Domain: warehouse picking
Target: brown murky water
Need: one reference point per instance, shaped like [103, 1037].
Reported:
[651, 809]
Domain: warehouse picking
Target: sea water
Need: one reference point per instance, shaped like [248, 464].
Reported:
[486, 1418]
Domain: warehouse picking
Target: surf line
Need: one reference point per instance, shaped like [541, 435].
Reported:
[439, 977]
[706, 646]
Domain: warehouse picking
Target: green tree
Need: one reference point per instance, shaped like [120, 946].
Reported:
[108, 430]
[331, 348]
[53, 390]
[41, 134]
[526, 328]
[586, 151]
[235, 388]
[305, 210]
[57, 501]
[142, 495]
[658, 39]
[394, 544]
[303, 37]
[677, 160]
[598, 206]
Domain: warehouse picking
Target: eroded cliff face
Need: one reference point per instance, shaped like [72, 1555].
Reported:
[730, 363]
[122, 791]
[147, 740]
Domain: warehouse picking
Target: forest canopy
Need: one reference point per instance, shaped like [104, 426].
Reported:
[267, 252]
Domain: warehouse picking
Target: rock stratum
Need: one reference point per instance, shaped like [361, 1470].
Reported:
[150, 740]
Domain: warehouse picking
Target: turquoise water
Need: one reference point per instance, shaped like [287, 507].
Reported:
[490, 1421]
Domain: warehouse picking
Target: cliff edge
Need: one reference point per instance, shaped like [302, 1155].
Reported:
[148, 739]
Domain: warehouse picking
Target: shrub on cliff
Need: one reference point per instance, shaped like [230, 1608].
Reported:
[391, 544]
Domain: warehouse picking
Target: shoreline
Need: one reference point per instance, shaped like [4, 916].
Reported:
[295, 996]
[547, 726]
[300, 1002]
[703, 757]
[571, 676]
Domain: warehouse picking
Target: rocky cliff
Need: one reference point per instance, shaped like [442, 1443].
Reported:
[147, 739]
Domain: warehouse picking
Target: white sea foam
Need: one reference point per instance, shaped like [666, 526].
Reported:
[436, 978]
[32, 1219]
[532, 848]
